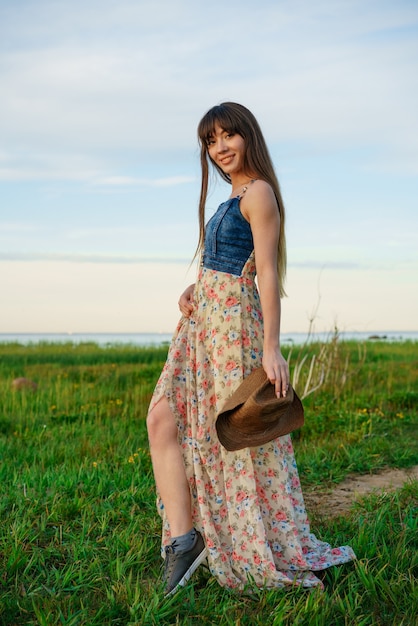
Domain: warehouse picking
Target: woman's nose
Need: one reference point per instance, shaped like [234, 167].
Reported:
[221, 145]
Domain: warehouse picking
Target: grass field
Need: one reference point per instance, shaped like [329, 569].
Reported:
[79, 534]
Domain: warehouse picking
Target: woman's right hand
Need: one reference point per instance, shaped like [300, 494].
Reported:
[186, 301]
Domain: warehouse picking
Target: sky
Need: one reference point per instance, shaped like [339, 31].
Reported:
[99, 162]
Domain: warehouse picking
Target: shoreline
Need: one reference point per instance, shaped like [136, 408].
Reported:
[150, 339]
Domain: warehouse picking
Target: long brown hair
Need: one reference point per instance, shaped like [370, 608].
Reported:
[235, 118]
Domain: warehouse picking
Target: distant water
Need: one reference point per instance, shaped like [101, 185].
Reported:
[153, 339]
[103, 339]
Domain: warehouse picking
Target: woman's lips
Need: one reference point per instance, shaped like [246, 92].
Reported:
[226, 160]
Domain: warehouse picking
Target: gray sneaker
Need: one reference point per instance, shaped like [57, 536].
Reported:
[179, 566]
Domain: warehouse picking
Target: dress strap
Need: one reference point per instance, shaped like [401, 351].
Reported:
[244, 189]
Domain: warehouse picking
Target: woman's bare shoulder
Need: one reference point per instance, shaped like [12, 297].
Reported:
[259, 196]
[260, 188]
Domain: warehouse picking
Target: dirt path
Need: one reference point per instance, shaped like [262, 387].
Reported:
[339, 500]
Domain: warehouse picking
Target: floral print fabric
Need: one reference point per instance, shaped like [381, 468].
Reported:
[248, 503]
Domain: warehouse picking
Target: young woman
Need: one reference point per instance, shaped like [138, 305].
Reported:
[241, 510]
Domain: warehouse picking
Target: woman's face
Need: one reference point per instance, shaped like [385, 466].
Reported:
[227, 150]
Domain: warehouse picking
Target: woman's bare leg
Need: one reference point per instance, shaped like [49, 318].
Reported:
[169, 472]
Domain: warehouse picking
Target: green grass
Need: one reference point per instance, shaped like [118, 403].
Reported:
[79, 533]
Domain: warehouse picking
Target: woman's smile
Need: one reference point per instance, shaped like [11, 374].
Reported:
[226, 160]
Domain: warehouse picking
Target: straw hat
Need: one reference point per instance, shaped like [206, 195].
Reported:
[254, 415]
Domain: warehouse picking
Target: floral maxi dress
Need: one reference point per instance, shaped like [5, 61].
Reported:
[248, 504]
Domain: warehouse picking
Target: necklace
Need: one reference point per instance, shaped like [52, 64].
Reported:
[243, 188]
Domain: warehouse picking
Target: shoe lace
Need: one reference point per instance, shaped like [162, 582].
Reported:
[170, 560]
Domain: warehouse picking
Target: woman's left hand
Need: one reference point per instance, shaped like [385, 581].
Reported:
[277, 371]
[186, 301]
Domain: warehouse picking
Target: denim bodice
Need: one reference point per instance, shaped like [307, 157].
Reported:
[228, 239]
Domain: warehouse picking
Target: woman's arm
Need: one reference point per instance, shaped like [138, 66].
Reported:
[259, 206]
